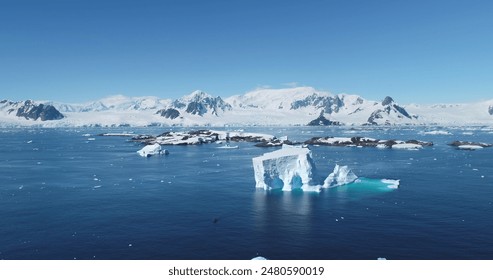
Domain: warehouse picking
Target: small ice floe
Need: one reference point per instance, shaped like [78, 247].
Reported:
[150, 150]
[469, 147]
[29, 142]
[97, 187]
[407, 146]
[391, 184]
[467, 133]
[86, 135]
[91, 139]
[227, 146]
[436, 132]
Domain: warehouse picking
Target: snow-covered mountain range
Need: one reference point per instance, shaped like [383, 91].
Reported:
[290, 106]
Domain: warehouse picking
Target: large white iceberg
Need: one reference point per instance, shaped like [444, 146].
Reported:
[150, 150]
[292, 167]
[287, 169]
[341, 175]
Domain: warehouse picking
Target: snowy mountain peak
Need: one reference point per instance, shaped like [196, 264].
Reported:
[390, 113]
[263, 106]
[387, 101]
[196, 96]
[275, 99]
[200, 103]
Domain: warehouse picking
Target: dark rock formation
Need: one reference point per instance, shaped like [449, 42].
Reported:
[328, 103]
[387, 100]
[275, 143]
[374, 116]
[322, 121]
[169, 113]
[33, 111]
[200, 103]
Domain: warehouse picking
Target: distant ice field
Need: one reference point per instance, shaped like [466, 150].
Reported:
[70, 194]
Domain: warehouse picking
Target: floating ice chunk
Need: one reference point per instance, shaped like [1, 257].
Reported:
[391, 184]
[91, 139]
[150, 150]
[341, 175]
[292, 168]
[287, 169]
[407, 146]
[86, 135]
[469, 147]
[228, 147]
[29, 142]
[437, 132]
[97, 187]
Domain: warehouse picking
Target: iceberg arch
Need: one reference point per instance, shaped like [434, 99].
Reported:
[292, 168]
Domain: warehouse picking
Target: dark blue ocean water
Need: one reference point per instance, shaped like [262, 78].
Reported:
[64, 197]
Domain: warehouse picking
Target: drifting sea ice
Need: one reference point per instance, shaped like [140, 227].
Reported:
[469, 147]
[150, 150]
[436, 132]
[407, 146]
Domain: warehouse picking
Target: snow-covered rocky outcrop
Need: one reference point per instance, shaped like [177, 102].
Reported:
[322, 121]
[201, 103]
[30, 110]
[200, 137]
[358, 141]
[390, 113]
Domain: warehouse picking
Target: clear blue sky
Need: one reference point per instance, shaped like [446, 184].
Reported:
[82, 50]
